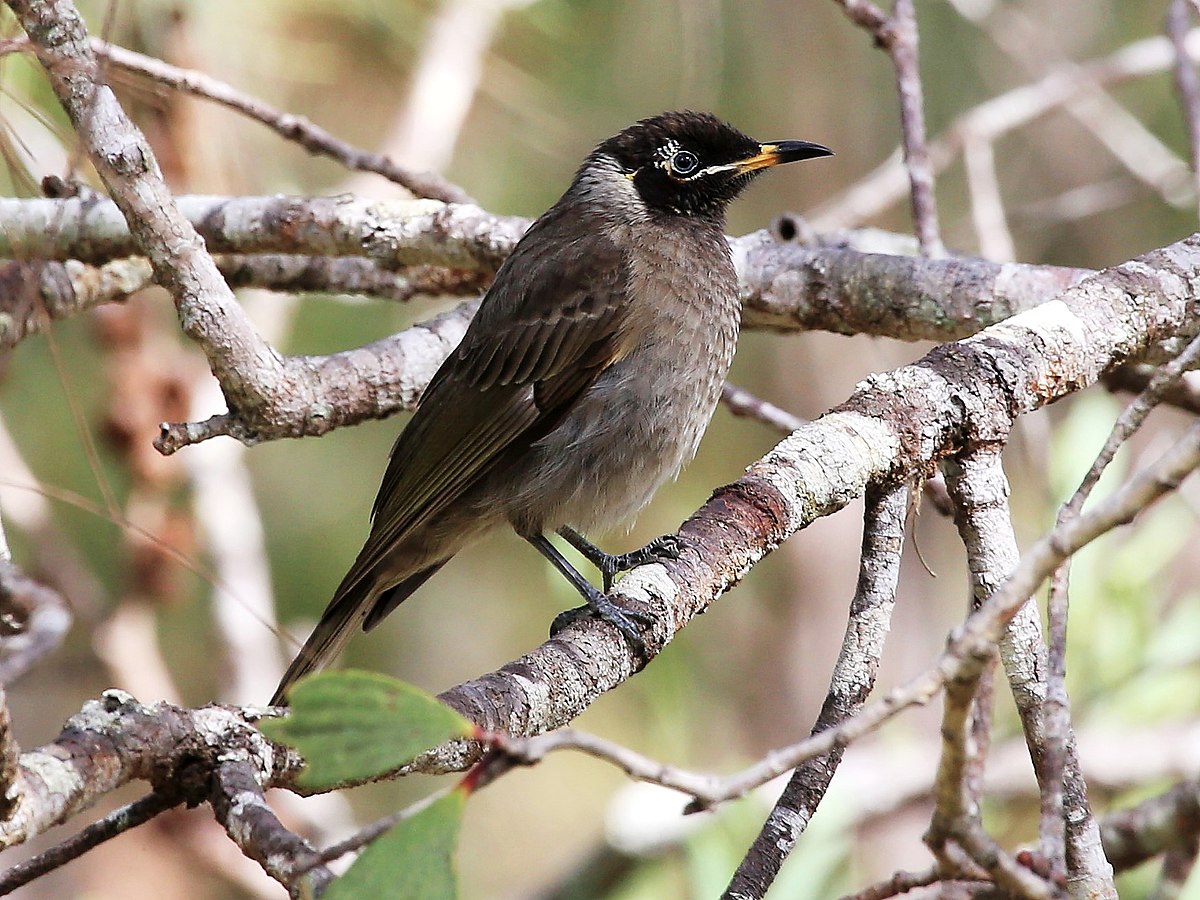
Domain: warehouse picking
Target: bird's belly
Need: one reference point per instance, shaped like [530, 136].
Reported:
[630, 432]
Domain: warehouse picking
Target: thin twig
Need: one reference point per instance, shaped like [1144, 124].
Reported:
[889, 182]
[897, 35]
[1131, 420]
[741, 402]
[899, 883]
[956, 816]
[115, 823]
[853, 679]
[1183, 394]
[903, 49]
[366, 835]
[291, 127]
[1179, 14]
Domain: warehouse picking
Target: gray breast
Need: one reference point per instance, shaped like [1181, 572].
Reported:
[644, 417]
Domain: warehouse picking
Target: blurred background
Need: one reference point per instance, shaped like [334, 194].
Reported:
[505, 97]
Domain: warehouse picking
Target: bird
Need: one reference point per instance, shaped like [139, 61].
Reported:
[584, 381]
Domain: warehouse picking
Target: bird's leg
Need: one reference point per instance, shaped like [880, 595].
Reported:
[625, 620]
[666, 547]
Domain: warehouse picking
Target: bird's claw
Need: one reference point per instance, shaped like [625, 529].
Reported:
[668, 546]
[624, 620]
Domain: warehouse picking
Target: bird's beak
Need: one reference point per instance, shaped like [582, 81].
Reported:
[780, 152]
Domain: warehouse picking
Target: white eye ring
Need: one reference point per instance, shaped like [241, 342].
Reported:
[684, 163]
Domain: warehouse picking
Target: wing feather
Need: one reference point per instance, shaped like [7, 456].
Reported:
[545, 331]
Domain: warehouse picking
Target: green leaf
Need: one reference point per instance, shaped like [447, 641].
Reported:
[413, 860]
[350, 726]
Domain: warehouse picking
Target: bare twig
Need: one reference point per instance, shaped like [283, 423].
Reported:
[115, 823]
[902, 45]
[1130, 142]
[366, 835]
[900, 883]
[741, 402]
[1131, 420]
[1183, 394]
[1179, 13]
[956, 816]
[889, 182]
[898, 36]
[291, 127]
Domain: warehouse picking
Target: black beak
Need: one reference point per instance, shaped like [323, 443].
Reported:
[779, 152]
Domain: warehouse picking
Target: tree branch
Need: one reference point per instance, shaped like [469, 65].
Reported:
[298, 129]
[853, 680]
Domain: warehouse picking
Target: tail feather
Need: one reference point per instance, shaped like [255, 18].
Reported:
[352, 607]
[394, 596]
[328, 639]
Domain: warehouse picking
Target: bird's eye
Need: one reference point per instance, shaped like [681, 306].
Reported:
[684, 163]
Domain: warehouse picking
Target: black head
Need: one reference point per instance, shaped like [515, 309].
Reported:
[692, 163]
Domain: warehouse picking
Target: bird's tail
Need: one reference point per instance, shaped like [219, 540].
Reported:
[337, 625]
[353, 605]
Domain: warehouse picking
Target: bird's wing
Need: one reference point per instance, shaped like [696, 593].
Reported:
[551, 323]
[549, 326]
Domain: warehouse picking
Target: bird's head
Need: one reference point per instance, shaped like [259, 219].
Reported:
[692, 163]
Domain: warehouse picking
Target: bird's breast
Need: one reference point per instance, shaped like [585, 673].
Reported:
[643, 418]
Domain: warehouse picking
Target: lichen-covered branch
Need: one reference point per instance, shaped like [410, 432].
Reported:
[115, 739]
[785, 286]
[977, 483]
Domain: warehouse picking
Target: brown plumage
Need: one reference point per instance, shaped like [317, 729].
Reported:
[585, 380]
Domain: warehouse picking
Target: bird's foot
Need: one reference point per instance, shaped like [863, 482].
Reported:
[624, 620]
[669, 546]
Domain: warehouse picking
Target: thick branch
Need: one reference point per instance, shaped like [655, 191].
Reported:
[784, 286]
[115, 739]
[392, 232]
[838, 282]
